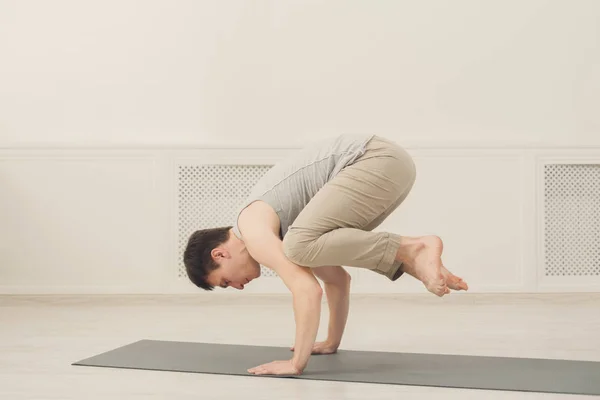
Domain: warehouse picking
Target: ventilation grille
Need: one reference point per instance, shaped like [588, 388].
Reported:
[572, 219]
[209, 197]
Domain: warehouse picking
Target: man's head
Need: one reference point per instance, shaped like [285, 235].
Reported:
[216, 257]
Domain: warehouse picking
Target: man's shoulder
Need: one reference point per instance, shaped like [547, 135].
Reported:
[258, 217]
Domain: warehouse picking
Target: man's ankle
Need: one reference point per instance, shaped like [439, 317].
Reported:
[408, 249]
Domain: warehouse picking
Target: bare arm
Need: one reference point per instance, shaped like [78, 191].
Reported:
[258, 228]
[337, 289]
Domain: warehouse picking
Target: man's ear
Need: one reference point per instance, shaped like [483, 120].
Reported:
[219, 253]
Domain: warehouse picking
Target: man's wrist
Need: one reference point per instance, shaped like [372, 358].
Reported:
[297, 364]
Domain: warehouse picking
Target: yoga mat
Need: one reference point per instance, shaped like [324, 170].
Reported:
[452, 371]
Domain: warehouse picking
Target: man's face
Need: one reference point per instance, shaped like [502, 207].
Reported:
[234, 271]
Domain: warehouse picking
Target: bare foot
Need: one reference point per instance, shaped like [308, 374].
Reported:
[453, 281]
[422, 258]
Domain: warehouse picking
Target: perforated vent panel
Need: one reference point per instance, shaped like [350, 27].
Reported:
[572, 219]
[209, 197]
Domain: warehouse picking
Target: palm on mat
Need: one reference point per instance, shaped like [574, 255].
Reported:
[275, 368]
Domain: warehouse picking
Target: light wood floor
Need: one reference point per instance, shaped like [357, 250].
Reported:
[41, 336]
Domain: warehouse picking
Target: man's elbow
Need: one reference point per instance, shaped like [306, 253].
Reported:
[316, 291]
[310, 290]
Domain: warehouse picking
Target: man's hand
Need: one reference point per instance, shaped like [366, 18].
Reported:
[322, 348]
[276, 368]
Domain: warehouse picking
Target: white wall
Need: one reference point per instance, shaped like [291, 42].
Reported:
[262, 72]
[99, 101]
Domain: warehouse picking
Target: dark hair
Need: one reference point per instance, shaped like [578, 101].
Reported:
[197, 256]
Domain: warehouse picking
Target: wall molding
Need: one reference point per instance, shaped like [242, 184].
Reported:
[528, 161]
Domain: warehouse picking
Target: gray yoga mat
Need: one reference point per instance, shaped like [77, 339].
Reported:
[453, 371]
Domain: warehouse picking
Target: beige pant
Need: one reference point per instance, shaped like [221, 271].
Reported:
[335, 227]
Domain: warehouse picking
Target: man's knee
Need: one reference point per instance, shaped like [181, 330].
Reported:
[407, 176]
[291, 247]
[295, 247]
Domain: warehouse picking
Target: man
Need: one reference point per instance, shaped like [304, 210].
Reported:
[306, 218]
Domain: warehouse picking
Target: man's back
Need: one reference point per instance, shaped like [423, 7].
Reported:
[292, 183]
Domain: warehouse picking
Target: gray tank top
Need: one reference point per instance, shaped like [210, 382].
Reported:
[289, 185]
